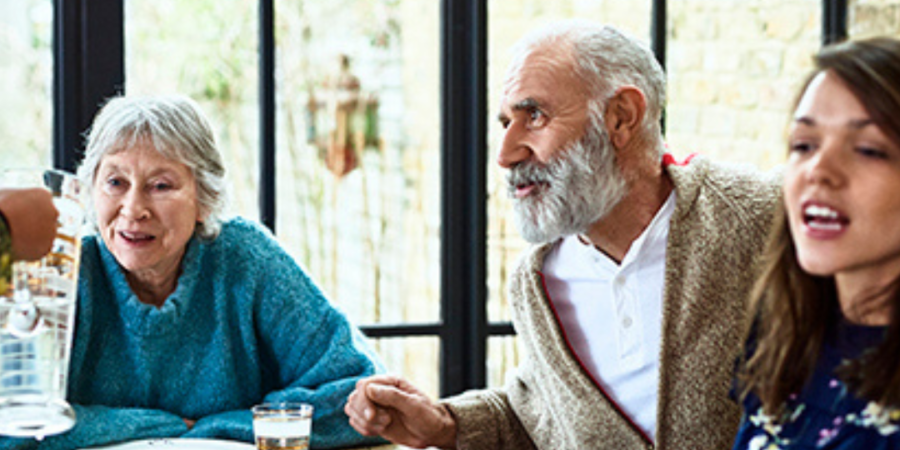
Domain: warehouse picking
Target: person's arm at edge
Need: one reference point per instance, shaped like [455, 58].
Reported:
[5, 255]
[30, 218]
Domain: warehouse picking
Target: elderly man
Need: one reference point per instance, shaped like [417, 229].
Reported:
[630, 308]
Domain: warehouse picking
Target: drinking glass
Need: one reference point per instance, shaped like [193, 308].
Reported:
[282, 426]
[36, 317]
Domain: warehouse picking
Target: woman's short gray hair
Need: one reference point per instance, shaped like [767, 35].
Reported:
[177, 129]
[606, 59]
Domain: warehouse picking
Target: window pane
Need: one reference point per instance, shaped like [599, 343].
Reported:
[733, 70]
[206, 49]
[359, 152]
[502, 356]
[868, 18]
[26, 76]
[416, 359]
[507, 22]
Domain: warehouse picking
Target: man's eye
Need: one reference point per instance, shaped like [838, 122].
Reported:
[537, 117]
[162, 186]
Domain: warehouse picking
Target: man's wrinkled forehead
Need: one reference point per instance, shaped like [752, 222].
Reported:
[538, 79]
[558, 47]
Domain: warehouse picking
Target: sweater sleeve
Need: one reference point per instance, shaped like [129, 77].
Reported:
[485, 419]
[323, 372]
[319, 363]
[309, 351]
[100, 425]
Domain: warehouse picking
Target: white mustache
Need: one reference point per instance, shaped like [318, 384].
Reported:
[533, 172]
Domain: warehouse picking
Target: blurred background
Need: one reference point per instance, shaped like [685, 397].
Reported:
[357, 120]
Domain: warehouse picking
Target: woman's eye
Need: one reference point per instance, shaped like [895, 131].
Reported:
[800, 147]
[114, 183]
[162, 186]
[872, 152]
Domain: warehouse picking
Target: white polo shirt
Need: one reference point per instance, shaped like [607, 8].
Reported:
[612, 313]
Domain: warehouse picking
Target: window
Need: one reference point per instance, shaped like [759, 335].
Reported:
[207, 50]
[26, 119]
[394, 203]
[358, 162]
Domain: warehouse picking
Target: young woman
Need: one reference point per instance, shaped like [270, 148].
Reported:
[822, 365]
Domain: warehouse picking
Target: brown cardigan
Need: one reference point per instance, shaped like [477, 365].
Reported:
[717, 232]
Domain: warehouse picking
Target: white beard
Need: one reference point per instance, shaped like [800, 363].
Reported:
[573, 191]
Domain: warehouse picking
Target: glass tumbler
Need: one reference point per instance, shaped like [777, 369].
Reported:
[282, 426]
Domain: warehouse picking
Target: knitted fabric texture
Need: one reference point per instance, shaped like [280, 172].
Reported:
[244, 326]
[717, 232]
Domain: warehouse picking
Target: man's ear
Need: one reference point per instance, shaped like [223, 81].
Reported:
[625, 114]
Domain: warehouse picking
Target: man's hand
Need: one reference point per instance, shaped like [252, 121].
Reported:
[394, 409]
[31, 218]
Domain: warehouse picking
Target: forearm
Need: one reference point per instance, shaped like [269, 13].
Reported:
[235, 425]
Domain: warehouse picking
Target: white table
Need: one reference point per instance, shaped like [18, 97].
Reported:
[199, 444]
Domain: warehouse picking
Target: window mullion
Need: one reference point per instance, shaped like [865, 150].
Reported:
[463, 195]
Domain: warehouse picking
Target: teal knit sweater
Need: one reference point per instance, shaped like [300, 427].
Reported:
[245, 325]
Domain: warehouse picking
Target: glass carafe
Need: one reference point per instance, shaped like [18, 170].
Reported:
[37, 317]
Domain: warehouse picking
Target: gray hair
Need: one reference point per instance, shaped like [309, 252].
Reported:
[178, 130]
[605, 59]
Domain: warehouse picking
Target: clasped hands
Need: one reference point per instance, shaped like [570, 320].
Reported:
[391, 407]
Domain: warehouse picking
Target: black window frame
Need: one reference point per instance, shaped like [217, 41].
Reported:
[89, 67]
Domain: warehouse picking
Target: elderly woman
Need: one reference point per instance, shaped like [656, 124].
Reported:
[185, 319]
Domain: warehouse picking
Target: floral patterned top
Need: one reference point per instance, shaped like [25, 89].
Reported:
[826, 415]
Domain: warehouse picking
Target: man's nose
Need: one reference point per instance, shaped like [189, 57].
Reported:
[513, 148]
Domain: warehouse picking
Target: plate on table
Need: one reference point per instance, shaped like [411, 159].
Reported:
[179, 444]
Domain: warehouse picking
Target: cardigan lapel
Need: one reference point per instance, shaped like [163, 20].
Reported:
[559, 358]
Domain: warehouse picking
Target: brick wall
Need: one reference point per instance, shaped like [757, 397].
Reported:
[873, 17]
